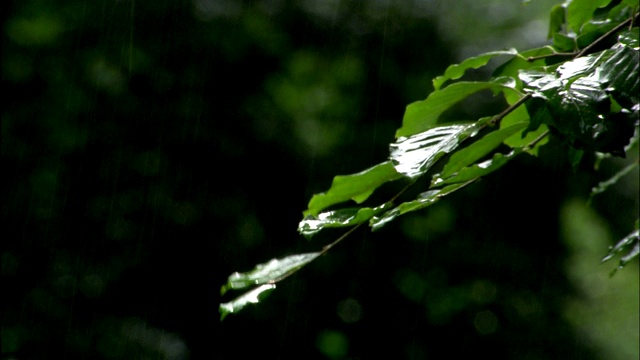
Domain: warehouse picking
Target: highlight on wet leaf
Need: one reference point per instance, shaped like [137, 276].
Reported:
[582, 89]
[311, 225]
[251, 297]
[629, 244]
[414, 156]
[269, 272]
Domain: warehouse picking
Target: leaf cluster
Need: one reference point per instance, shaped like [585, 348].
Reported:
[582, 88]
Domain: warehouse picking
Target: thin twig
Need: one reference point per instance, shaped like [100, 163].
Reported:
[618, 27]
[498, 118]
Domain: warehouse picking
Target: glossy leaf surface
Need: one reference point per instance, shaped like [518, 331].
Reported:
[414, 156]
[577, 96]
[310, 225]
[251, 297]
[479, 149]
[357, 187]
[629, 244]
[269, 272]
[425, 199]
[476, 171]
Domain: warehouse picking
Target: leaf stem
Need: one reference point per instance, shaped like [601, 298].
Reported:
[618, 27]
[498, 118]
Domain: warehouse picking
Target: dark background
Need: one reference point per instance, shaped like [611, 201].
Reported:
[153, 148]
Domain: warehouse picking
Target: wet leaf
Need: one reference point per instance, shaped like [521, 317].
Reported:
[357, 187]
[414, 156]
[456, 71]
[310, 225]
[577, 96]
[423, 115]
[425, 199]
[581, 11]
[534, 128]
[604, 185]
[479, 149]
[251, 297]
[630, 243]
[476, 171]
[269, 272]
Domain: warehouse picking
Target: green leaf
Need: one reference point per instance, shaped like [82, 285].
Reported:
[425, 199]
[577, 97]
[423, 115]
[269, 272]
[476, 171]
[456, 71]
[357, 187]
[630, 243]
[512, 67]
[479, 149]
[532, 132]
[563, 42]
[556, 20]
[310, 225]
[251, 297]
[414, 156]
[581, 11]
[604, 185]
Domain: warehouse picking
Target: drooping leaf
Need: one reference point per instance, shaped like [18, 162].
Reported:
[251, 297]
[357, 187]
[479, 149]
[581, 11]
[311, 225]
[476, 171]
[269, 272]
[425, 199]
[456, 71]
[423, 115]
[414, 156]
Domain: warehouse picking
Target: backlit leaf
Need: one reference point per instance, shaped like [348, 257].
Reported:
[423, 115]
[456, 71]
[581, 11]
[357, 187]
[556, 20]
